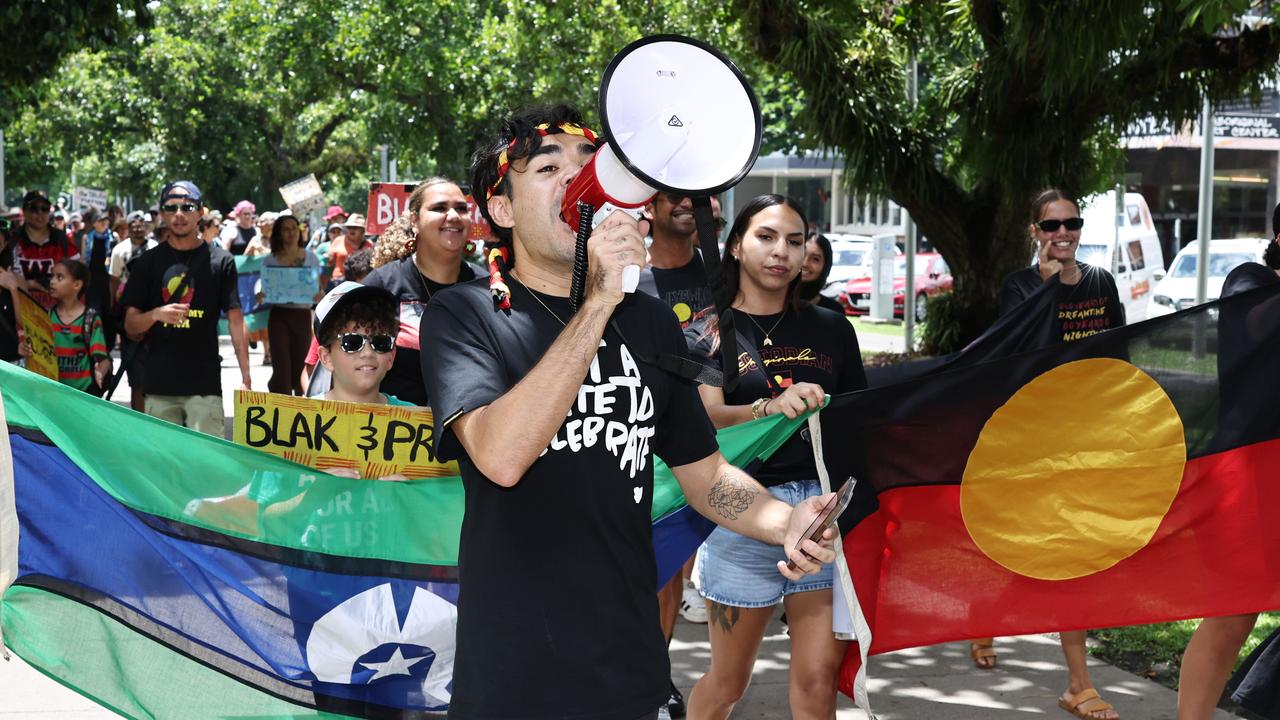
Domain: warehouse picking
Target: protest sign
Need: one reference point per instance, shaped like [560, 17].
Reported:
[374, 440]
[37, 328]
[386, 202]
[290, 285]
[86, 198]
[303, 196]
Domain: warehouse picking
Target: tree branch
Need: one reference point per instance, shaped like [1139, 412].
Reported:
[1252, 49]
[989, 22]
[314, 146]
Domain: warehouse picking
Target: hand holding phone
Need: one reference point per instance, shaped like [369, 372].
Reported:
[827, 518]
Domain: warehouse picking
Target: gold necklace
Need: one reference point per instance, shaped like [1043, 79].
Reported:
[767, 340]
[535, 297]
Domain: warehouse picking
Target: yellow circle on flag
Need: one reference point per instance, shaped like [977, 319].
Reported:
[1075, 472]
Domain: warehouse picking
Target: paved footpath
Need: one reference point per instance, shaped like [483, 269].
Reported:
[933, 683]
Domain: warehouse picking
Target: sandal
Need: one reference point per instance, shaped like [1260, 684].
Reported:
[981, 651]
[1084, 704]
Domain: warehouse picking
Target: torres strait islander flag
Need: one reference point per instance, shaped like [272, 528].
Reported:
[1125, 478]
[165, 573]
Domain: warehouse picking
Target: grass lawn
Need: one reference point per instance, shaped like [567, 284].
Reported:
[861, 326]
[1155, 651]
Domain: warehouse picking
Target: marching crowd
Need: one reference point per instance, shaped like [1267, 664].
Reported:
[499, 353]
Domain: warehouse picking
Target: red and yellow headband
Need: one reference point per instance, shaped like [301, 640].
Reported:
[543, 130]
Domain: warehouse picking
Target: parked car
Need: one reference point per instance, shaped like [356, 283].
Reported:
[850, 258]
[932, 277]
[1124, 242]
[1177, 291]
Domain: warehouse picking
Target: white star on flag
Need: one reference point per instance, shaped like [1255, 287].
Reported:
[395, 665]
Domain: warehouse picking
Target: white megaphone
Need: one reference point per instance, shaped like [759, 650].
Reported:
[677, 117]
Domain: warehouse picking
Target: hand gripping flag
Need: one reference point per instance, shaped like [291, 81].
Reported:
[1126, 478]
[165, 573]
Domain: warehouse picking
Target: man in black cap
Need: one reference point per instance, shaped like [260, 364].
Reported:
[174, 296]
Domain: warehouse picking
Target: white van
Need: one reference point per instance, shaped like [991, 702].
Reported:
[1178, 290]
[1123, 240]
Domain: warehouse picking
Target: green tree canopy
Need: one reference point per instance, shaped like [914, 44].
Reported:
[1015, 96]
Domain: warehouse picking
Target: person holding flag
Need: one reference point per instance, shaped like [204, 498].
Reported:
[554, 418]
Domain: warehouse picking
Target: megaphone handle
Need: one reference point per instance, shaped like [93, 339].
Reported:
[578, 283]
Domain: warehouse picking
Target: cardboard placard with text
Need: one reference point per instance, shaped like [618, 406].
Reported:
[303, 196]
[37, 328]
[374, 440]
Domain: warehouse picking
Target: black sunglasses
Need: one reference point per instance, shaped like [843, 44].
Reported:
[184, 207]
[354, 342]
[41, 208]
[1053, 225]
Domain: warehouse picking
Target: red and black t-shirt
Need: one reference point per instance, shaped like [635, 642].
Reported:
[35, 261]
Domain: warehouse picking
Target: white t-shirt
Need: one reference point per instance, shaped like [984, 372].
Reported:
[123, 254]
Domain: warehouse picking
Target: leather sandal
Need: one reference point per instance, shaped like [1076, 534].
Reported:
[980, 650]
[1084, 704]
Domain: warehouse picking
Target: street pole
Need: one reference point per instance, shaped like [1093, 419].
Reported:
[1204, 223]
[909, 230]
[384, 173]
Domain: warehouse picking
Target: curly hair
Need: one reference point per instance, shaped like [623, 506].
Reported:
[517, 138]
[397, 241]
[377, 315]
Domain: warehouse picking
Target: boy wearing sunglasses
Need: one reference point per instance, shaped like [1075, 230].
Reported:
[356, 328]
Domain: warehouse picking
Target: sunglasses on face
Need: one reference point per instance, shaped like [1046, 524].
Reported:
[1053, 225]
[37, 208]
[188, 207]
[354, 342]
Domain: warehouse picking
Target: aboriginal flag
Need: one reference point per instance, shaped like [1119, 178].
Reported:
[1126, 478]
[165, 573]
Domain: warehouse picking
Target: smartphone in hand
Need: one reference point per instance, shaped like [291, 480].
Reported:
[827, 518]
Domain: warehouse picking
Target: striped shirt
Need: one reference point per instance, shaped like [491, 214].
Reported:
[75, 353]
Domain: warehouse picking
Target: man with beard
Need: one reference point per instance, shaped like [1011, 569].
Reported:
[174, 296]
[675, 274]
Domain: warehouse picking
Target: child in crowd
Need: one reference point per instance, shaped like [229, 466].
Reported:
[78, 341]
[359, 265]
[356, 328]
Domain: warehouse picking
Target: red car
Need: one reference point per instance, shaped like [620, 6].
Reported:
[932, 277]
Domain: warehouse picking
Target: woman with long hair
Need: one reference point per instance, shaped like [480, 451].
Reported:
[420, 254]
[815, 271]
[791, 355]
[288, 324]
[1055, 231]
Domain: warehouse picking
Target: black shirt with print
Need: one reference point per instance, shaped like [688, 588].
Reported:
[812, 345]
[1087, 308]
[558, 612]
[183, 359]
[402, 279]
[683, 289]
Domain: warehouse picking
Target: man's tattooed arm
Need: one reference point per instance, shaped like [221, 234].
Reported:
[731, 495]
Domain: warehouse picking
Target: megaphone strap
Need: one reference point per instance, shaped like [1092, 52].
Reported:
[544, 130]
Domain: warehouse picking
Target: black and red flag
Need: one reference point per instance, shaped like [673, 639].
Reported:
[1126, 478]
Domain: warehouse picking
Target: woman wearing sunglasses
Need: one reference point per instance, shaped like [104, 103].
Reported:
[792, 354]
[1087, 303]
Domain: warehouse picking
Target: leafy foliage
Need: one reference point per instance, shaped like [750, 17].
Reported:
[1015, 96]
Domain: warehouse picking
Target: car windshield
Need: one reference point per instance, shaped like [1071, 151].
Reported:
[1093, 255]
[1219, 264]
[849, 257]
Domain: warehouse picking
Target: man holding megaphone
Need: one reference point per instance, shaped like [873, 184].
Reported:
[554, 417]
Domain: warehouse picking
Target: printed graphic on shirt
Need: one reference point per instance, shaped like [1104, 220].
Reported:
[689, 304]
[617, 410]
[776, 356]
[173, 277]
[1084, 318]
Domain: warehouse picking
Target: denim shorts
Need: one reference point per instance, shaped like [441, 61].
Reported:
[742, 572]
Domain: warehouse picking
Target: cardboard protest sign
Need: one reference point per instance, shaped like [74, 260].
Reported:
[86, 198]
[374, 440]
[37, 328]
[303, 195]
[290, 285]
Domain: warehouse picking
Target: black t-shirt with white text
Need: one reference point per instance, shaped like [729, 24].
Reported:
[683, 289]
[183, 359]
[812, 345]
[1087, 308]
[402, 279]
[532, 641]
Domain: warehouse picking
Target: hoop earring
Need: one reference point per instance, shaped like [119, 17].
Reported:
[412, 246]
